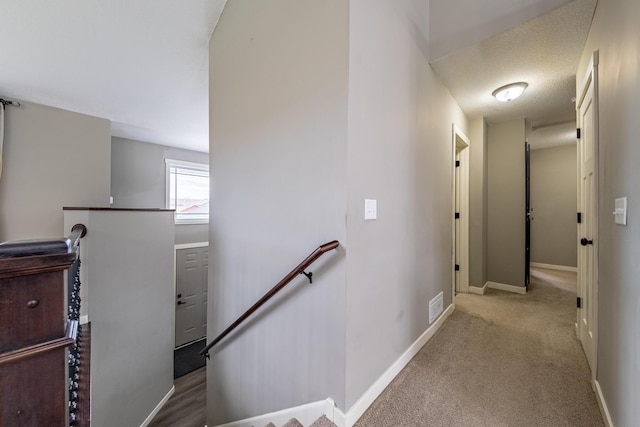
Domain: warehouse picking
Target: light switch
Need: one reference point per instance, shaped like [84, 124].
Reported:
[370, 209]
[620, 212]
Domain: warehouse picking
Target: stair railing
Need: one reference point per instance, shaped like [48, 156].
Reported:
[299, 269]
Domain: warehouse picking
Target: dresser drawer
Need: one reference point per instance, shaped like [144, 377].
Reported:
[31, 309]
[34, 390]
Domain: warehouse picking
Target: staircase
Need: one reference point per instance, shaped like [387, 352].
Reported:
[323, 421]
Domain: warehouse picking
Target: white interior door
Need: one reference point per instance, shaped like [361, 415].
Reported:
[191, 294]
[461, 211]
[587, 228]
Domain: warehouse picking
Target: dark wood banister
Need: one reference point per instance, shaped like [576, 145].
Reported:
[300, 269]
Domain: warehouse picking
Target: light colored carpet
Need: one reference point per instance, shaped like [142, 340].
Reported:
[501, 359]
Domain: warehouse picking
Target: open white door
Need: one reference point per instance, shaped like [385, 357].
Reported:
[587, 116]
[460, 211]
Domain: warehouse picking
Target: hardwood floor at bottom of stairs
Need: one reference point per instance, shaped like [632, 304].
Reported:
[187, 406]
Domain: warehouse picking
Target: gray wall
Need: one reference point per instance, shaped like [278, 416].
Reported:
[52, 158]
[615, 33]
[478, 202]
[138, 180]
[315, 107]
[400, 153]
[129, 273]
[553, 199]
[506, 203]
[278, 120]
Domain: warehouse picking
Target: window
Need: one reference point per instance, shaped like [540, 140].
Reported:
[188, 191]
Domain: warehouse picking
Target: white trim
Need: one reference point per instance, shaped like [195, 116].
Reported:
[306, 414]
[509, 288]
[460, 189]
[554, 267]
[590, 78]
[190, 245]
[84, 319]
[158, 407]
[195, 165]
[385, 379]
[478, 290]
[604, 409]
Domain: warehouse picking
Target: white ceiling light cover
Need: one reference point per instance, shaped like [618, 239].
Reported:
[509, 92]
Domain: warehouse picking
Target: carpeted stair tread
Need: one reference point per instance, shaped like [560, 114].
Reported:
[323, 421]
[293, 423]
[270, 425]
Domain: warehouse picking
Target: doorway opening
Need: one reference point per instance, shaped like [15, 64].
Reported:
[460, 143]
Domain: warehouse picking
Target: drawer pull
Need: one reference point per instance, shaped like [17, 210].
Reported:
[33, 303]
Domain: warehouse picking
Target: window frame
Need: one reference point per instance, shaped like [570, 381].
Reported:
[169, 163]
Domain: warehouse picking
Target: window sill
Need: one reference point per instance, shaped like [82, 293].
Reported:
[191, 222]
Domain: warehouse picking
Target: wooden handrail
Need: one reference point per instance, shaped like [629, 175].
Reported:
[299, 269]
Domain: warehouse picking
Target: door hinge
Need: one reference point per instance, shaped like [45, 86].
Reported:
[579, 302]
[457, 267]
[579, 217]
[457, 215]
[578, 133]
[457, 163]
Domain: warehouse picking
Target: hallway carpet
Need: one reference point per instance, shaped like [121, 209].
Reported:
[501, 359]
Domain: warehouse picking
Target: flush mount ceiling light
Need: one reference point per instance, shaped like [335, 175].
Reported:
[510, 91]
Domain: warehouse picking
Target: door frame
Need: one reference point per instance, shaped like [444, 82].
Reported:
[527, 212]
[590, 78]
[460, 190]
[176, 248]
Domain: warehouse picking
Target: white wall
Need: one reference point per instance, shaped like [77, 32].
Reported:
[52, 158]
[615, 33]
[278, 120]
[506, 203]
[553, 199]
[399, 153]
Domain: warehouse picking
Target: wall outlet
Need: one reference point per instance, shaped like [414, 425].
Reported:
[436, 306]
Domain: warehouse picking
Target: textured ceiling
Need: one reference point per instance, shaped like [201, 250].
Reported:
[543, 52]
[142, 64]
[455, 24]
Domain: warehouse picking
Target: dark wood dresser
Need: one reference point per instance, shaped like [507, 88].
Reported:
[35, 333]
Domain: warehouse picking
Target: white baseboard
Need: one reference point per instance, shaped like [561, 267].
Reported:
[190, 245]
[478, 290]
[604, 409]
[159, 406]
[554, 267]
[509, 288]
[310, 412]
[306, 414]
[349, 419]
